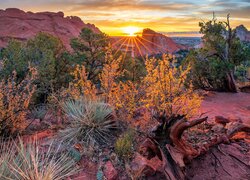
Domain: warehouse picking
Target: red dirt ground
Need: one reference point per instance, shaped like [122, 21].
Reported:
[229, 105]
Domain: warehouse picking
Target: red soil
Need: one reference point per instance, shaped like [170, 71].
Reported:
[234, 106]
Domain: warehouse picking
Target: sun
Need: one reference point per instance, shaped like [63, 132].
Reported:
[130, 30]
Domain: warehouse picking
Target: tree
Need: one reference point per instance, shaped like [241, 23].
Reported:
[89, 50]
[47, 54]
[213, 65]
[13, 57]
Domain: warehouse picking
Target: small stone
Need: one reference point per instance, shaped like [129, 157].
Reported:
[221, 120]
[218, 128]
[109, 171]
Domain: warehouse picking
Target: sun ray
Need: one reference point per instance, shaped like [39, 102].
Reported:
[126, 39]
[153, 43]
[126, 50]
[139, 49]
[118, 41]
[144, 45]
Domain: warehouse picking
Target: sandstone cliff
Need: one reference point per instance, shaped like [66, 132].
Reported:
[154, 43]
[243, 33]
[17, 24]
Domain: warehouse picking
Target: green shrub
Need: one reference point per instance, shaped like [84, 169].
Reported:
[31, 162]
[90, 122]
[124, 145]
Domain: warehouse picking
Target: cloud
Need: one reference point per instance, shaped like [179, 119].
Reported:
[160, 15]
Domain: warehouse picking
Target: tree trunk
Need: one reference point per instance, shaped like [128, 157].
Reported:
[231, 84]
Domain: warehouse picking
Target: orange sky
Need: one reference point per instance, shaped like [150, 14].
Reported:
[165, 16]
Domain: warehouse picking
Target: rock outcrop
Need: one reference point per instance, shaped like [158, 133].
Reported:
[243, 33]
[149, 43]
[154, 43]
[17, 24]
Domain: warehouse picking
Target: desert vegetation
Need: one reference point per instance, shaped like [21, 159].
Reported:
[103, 106]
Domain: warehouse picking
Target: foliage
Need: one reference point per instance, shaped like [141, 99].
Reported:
[124, 145]
[213, 66]
[122, 95]
[133, 68]
[15, 99]
[89, 49]
[165, 88]
[31, 162]
[127, 98]
[109, 77]
[14, 60]
[90, 122]
[81, 86]
[44, 52]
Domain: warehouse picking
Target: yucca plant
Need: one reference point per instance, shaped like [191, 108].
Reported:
[31, 162]
[91, 122]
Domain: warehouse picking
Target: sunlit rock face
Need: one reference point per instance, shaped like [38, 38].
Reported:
[17, 24]
[149, 43]
[243, 33]
[154, 43]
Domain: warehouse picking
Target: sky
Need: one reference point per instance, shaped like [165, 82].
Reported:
[173, 17]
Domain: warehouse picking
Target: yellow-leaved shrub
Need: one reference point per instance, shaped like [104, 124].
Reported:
[15, 99]
[166, 88]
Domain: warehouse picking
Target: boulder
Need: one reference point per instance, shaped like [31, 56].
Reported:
[109, 171]
[142, 167]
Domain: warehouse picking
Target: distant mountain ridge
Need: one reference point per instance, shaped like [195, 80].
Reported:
[17, 24]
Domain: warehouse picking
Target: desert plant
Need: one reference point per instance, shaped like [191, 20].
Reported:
[90, 122]
[14, 102]
[81, 86]
[166, 90]
[39, 112]
[89, 50]
[124, 145]
[109, 77]
[32, 162]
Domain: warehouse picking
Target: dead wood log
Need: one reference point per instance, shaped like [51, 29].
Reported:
[176, 151]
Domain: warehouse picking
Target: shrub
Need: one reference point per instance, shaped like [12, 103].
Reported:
[90, 122]
[31, 162]
[81, 86]
[14, 102]
[166, 90]
[124, 145]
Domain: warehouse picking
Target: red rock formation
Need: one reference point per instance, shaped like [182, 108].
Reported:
[243, 33]
[149, 43]
[154, 43]
[17, 24]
